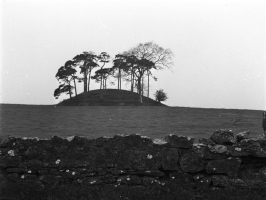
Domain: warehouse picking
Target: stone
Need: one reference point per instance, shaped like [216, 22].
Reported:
[180, 141]
[14, 170]
[148, 180]
[32, 164]
[9, 161]
[229, 166]
[220, 180]
[91, 181]
[262, 173]
[218, 148]
[238, 183]
[204, 182]
[13, 176]
[247, 147]
[223, 137]
[170, 158]
[191, 162]
[153, 173]
[144, 160]
[206, 142]
[129, 180]
[242, 135]
[205, 153]
[108, 179]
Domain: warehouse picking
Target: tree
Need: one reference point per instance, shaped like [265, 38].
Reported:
[103, 58]
[65, 75]
[162, 58]
[119, 65]
[86, 61]
[63, 88]
[160, 95]
[69, 66]
[102, 75]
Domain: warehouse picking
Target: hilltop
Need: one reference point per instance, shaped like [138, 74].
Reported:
[111, 97]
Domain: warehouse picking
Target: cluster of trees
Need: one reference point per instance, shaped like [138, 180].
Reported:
[132, 66]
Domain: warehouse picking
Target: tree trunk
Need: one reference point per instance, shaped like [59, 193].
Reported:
[85, 87]
[118, 78]
[120, 81]
[89, 81]
[70, 91]
[75, 88]
[101, 97]
[139, 90]
[142, 86]
[148, 84]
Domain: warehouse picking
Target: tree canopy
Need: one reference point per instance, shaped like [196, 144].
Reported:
[133, 65]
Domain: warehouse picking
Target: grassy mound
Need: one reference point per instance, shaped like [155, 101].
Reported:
[111, 97]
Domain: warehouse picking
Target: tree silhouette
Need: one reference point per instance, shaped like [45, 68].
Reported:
[86, 61]
[103, 58]
[119, 65]
[65, 75]
[160, 95]
[102, 75]
[69, 65]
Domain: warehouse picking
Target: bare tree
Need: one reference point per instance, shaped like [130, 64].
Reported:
[162, 58]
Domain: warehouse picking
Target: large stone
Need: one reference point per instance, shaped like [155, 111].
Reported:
[204, 182]
[191, 162]
[144, 160]
[220, 180]
[229, 166]
[180, 141]
[223, 136]
[9, 161]
[218, 148]
[170, 158]
[130, 142]
[247, 147]
[262, 173]
[205, 153]
[242, 135]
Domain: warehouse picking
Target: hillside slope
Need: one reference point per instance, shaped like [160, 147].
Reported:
[111, 97]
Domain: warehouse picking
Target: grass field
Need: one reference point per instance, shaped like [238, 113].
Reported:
[95, 121]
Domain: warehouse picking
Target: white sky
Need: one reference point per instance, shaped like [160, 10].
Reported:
[219, 46]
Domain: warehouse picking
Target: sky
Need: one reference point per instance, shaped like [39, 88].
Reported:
[218, 45]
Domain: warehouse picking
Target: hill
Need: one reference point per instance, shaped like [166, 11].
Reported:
[111, 97]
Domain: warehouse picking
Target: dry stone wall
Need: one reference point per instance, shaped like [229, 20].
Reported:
[223, 160]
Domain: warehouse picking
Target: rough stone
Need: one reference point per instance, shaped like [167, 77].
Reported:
[180, 141]
[218, 148]
[229, 166]
[238, 183]
[13, 161]
[204, 182]
[206, 142]
[148, 180]
[220, 180]
[205, 153]
[223, 137]
[170, 158]
[247, 147]
[242, 135]
[129, 180]
[191, 162]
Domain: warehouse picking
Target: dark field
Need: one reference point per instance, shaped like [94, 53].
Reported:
[92, 122]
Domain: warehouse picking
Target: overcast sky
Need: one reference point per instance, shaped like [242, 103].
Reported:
[219, 46]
